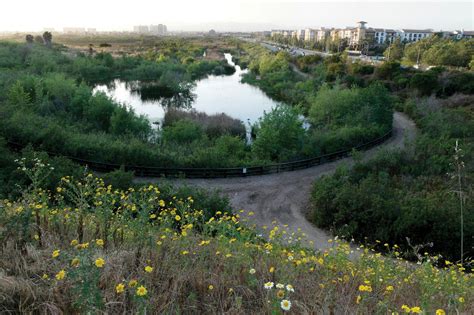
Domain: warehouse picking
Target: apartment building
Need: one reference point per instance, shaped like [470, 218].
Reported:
[409, 35]
[300, 34]
[382, 36]
[310, 35]
[322, 34]
[458, 34]
[363, 37]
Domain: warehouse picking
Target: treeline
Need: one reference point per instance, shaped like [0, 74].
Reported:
[433, 51]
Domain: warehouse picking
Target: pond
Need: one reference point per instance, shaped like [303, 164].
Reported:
[213, 95]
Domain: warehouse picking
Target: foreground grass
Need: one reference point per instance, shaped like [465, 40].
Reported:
[89, 248]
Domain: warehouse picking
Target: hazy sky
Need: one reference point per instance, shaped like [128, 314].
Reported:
[245, 15]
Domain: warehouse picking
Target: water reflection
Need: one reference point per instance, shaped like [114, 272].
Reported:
[212, 95]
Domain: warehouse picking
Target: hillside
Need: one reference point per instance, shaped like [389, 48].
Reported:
[87, 247]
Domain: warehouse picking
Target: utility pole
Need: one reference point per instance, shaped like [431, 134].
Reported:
[459, 167]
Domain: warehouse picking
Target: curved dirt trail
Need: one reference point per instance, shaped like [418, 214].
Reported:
[285, 197]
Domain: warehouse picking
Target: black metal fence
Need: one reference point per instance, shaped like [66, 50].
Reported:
[149, 171]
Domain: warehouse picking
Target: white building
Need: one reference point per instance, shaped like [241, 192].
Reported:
[382, 36]
[141, 29]
[460, 34]
[409, 35]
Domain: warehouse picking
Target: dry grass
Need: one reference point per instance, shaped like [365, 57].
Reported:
[214, 125]
[201, 264]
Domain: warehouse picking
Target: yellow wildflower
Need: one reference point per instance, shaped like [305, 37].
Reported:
[141, 291]
[132, 283]
[440, 312]
[100, 262]
[99, 242]
[406, 308]
[365, 288]
[148, 269]
[120, 288]
[56, 253]
[60, 275]
[75, 262]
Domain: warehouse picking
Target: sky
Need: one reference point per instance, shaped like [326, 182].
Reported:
[236, 15]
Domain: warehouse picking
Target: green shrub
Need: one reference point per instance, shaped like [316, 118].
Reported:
[280, 135]
[424, 82]
[119, 178]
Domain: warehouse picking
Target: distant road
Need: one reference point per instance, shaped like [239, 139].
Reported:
[297, 51]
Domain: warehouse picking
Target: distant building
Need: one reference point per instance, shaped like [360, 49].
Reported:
[162, 29]
[91, 31]
[141, 29]
[409, 35]
[310, 35]
[459, 34]
[322, 34]
[382, 36]
[159, 29]
[74, 30]
[300, 34]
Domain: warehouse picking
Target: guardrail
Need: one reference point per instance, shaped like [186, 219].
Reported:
[150, 171]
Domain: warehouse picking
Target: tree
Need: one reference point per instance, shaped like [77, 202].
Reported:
[48, 38]
[280, 134]
[39, 40]
[447, 52]
[29, 39]
[394, 52]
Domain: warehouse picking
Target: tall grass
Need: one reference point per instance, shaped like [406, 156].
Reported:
[214, 125]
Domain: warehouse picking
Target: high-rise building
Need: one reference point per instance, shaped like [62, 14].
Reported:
[159, 29]
[141, 29]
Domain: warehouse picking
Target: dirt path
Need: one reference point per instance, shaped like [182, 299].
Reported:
[285, 197]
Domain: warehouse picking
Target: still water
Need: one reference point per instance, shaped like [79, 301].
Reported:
[213, 95]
